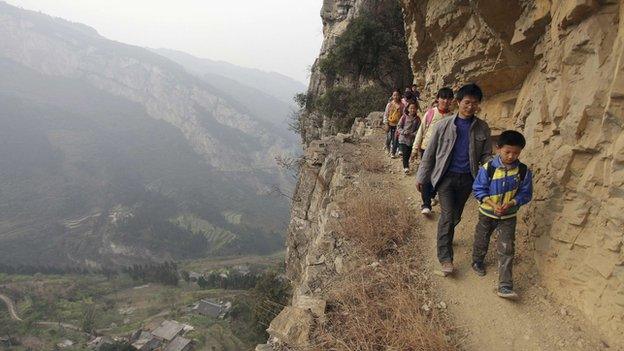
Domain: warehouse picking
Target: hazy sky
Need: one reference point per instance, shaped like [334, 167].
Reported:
[272, 35]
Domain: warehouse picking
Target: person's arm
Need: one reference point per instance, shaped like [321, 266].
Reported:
[525, 191]
[481, 190]
[415, 127]
[419, 137]
[429, 158]
[401, 125]
[481, 185]
[385, 115]
[486, 152]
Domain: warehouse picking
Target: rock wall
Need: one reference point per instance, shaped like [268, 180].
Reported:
[554, 70]
[336, 16]
[316, 252]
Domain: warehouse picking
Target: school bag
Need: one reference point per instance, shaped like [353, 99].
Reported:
[395, 115]
[429, 117]
[522, 171]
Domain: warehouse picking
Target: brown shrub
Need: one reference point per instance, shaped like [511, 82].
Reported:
[377, 221]
[380, 308]
[373, 164]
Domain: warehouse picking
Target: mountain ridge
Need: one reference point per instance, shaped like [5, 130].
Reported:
[106, 144]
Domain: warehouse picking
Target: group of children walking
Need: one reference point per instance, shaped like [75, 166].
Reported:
[456, 160]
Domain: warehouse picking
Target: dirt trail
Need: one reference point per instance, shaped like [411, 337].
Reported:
[14, 316]
[485, 321]
[11, 307]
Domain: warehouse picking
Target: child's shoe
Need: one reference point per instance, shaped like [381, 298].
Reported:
[479, 268]
[447, 267]
[426, 211]
[393, 156]
[507, 293]
[406, 170]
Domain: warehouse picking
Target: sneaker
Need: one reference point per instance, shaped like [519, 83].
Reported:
[406, 170]
[447, 267]
[400, 153]
[479, 268]
[506, 293]
[425, 211]
[393, 156]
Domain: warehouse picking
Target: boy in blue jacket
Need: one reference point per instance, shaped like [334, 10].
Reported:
[502, 186]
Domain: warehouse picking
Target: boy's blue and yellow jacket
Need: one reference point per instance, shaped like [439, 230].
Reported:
[502, 188]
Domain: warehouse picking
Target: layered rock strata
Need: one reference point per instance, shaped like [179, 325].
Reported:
[552, 69]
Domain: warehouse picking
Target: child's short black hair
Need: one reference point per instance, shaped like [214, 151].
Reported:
[511, 138]
[470, 89]
[408, 95]
[445, 93]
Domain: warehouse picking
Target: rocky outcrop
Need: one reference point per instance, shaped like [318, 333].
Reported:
[317, 253]
[552, 69]
[337, 15]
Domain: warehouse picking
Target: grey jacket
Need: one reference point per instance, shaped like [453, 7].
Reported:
[407, 128]
[437, 157]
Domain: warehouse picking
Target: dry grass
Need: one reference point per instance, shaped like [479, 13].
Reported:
[381, 308]
[373, 164]
[377, 222]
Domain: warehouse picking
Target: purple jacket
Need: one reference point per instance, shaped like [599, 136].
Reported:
[407, 129]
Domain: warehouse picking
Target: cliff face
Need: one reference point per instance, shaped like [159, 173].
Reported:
[552, 69]
[337, 16]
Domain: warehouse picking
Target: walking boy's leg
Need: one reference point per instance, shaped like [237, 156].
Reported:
[482, 235]
[395, 142]
[427, 195]
[407, 152]
[463, 189]
[389, 136]
[505, 248]
[446, 227]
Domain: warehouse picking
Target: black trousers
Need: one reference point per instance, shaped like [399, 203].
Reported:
[407, 152]
[428, 192]
[453, 190]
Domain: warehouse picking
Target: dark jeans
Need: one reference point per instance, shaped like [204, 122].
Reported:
[504, 245]
[454, 190]
[392, 142]
[428, 192]
[407, 152]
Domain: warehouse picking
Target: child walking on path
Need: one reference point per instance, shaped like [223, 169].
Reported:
[407, 127]
[444, 99]
[458, 146]
[502, 186]
[391, 117]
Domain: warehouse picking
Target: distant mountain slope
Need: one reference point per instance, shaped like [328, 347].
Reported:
[89, 177]
[103, 146]
[216, 126]
[271, 83]
[257, 103]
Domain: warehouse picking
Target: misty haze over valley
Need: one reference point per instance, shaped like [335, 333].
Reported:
[114, 154]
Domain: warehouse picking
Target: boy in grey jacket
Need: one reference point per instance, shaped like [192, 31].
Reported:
[458, 146]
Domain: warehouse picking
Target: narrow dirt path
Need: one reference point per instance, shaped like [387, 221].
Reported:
[14, 316]
[11, 307]
[484, 321]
